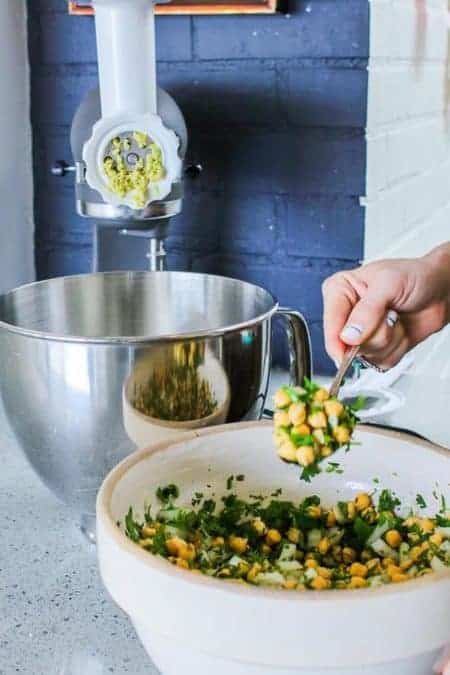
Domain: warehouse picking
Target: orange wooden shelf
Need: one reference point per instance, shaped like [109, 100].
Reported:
[178, 7]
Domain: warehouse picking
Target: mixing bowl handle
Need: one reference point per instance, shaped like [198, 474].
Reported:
[299, 345]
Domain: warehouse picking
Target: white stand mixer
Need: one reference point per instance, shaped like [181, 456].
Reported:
[128, 137]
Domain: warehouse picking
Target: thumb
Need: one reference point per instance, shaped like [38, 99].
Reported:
[364, 320]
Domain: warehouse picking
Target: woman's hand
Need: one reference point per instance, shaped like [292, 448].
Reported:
[357, 303]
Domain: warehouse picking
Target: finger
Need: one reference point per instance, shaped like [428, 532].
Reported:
[385, 339]
[339, 298]
[382, 349]
[365, 319]
[387, 361]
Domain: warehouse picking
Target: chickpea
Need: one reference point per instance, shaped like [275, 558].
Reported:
[333, 408]
[320, 584]
[351, 511]
[436, 539]
[281, 437]
[180, 548]
[341, 434]
[282, 399]
[317, 420]
[302, 429]
[305, 455]
[321, 395]
[281, 419]
[393, 538]
[357, 582]
[398, 578]
[294, 535]
[331, 519]
[326, 451]
[324, 572]
[393, 569]
[259, 526]
[238, 544]
[314, 511]
[311, 563]
[148, 531]
[297, 413]
[255, 569]
[273, 537]
[358, 570]
[362, 501]
[180, 562]
[348, 554]
[324, 546]
[426, 525]
[290, 584]
[288, 453]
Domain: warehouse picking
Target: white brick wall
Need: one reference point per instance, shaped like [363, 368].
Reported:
[408, 172]
[16, 179]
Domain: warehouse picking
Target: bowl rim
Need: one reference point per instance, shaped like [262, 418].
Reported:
[137, 339]
[162, 566]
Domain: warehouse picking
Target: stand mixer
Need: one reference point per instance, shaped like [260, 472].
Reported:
[128, 137]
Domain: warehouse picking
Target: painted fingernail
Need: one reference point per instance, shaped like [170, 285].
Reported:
[351, 332]
[391, 318]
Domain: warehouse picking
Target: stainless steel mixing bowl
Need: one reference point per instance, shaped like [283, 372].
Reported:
[92, 365]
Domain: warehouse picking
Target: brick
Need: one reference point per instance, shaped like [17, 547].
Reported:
[401, 30]
[331, 97]
[59, 97]
[197, 227]
[57, 261]
[322, 28]
[307, 161]
[48, 6]
[224, 96]
[248, 224]
[57, 220]
[324, 227]
[420, 95]
[71, 39]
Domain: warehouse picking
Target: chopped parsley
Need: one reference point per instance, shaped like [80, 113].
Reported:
[420, 501]
[167, 493]
[388, 501]
[309, 472]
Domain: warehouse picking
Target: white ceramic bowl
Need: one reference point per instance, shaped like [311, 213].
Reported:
[194, 625]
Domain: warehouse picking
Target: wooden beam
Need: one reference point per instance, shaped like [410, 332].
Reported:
[174, 8]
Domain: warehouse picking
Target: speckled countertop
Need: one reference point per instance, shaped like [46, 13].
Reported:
[55, 616]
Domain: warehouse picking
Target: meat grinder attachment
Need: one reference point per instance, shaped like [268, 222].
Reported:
[128, 137]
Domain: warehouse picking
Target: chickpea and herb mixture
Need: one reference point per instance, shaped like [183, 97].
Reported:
[310, 425]
[303, 546]
[135, 179]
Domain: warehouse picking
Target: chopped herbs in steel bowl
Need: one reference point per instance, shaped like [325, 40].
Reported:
[310, 425]
[294, 546]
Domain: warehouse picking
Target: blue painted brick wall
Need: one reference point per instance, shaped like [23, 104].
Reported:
[276, 108]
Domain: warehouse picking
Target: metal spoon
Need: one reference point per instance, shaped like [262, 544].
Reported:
[349, 356]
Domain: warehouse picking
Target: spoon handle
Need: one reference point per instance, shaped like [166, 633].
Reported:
[349, 355]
